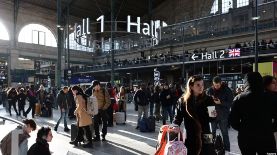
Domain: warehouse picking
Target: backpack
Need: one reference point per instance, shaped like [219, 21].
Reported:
[167, 140]
[92, 105]
[143, 124]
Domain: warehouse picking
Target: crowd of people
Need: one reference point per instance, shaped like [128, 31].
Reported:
[251, 110]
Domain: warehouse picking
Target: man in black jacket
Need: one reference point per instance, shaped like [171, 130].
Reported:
[223, 97]
[141, 98]
[63, 102]
[252, 114]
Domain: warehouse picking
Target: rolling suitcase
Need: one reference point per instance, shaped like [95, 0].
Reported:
[120, 118]
[38, 109]
[151, 123]
[73, 131]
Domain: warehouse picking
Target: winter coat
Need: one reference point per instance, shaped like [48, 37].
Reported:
[41, 95]
[41, 147]
[12, 97]
[23, 143]
[196, 120]
[225, 95]
[31, 96]
[140, 98]
[253, 111]
[103, 99]
[163, 97]
[21, 99]
[83, 118]
[63, 100]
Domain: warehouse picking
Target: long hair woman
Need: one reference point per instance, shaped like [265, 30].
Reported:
[84, 120]
[193, 110]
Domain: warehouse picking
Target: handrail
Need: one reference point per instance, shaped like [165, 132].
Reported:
[12, 120]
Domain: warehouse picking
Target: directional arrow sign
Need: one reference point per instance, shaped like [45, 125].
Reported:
[193, 57]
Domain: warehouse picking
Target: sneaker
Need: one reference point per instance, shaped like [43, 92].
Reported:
[66, 129]
[137, 127]
[96, 139]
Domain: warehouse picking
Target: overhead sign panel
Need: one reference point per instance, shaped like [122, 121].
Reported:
[220, 54]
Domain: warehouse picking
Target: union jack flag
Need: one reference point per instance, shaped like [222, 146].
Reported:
[235, 52]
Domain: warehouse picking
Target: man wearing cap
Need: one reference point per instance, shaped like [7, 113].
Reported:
[103, 99]
[223, 97]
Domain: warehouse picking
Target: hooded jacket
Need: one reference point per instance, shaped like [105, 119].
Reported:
[253, 110]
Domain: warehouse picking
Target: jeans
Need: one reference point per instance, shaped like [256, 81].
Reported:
[63, 115]
[101, 116]
[223, 125]
[142, 110]
[167, 110]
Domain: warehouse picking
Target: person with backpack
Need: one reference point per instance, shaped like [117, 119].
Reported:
[193, 110]
[63, 102]
[141, 100]
[104, 101]
[6, 142]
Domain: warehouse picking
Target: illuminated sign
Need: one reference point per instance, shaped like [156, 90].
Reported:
[150, 29]
[220, 54]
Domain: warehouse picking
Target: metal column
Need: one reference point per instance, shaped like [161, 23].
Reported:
[59, 22]
[112, 40]
[68, 50]
[256, 37]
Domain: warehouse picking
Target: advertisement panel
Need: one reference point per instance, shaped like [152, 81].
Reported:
[265, 68]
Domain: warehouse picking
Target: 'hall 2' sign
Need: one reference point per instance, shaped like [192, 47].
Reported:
[221, 54]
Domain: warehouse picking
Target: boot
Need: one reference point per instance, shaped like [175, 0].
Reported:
[75, 142]
[96, 139]
[88, 145]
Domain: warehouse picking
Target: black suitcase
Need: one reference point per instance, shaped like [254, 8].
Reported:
[151, 123]
[73, 130]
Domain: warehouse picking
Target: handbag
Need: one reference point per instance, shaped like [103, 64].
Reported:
[219, 145]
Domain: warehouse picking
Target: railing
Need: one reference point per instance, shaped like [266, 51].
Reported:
[176, 59]
[15, 134]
